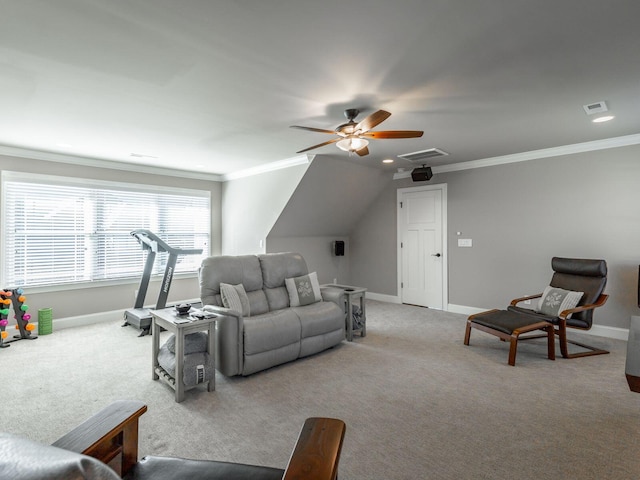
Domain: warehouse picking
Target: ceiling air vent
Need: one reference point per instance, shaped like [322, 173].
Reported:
[422, 156]
[597, 107]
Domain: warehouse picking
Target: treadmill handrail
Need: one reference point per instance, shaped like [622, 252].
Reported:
[155, 243]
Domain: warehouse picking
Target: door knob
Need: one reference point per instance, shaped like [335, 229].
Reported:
[436, 255]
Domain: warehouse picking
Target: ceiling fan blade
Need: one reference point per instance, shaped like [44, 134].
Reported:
[311, 129]
[393, 134]
[321, 145]
[372, 120]
[363, 151]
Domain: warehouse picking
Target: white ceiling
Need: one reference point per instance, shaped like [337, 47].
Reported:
[213, 86]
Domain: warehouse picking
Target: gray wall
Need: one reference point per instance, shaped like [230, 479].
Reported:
[251, 206]
[318, 253]
[519, 216]
[328, 202]
[70, 302]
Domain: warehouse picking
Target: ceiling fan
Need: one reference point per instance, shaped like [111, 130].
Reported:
[353, 137]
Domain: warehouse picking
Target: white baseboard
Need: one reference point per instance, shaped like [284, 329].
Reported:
[464, 310]
[609, 332]
[91, 318]
[383, 298]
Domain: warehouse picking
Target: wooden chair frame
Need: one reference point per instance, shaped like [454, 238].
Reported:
[561, 327]
[111, 436]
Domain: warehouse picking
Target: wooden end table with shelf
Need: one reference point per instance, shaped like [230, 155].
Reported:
[353, 294]
[180, 326]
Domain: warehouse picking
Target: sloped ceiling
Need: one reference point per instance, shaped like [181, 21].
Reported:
[330, 198]
[212, 87]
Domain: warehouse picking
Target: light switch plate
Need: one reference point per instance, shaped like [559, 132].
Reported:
[465, 242]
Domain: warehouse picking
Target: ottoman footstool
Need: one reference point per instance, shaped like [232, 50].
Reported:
[509, 326]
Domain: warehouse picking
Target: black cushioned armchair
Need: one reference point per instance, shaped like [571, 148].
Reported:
[105, 447]
[578, 275]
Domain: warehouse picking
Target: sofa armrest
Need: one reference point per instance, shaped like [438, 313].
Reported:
[111, 435]
[222, 311]
[335, 295]
[229, 340]
[317, 451]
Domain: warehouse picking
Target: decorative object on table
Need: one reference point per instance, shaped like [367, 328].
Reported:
[183, 308]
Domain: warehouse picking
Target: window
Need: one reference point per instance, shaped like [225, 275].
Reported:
[59, 230]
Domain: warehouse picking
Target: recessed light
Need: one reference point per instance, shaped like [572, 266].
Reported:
[605, 118]
[387, 160]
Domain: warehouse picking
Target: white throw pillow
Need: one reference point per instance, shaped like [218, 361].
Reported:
[235, 298]
[556, 300]
[303, 290]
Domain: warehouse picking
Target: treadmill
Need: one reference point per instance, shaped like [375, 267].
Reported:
[138, 316]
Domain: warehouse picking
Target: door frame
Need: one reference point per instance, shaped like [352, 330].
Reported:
[445, 252]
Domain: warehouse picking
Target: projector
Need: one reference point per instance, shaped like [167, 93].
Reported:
[421, 174]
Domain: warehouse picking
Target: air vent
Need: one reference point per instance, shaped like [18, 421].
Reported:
[597, 107]
[420, 157]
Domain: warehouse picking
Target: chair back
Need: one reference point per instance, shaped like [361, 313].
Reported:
[580, 275]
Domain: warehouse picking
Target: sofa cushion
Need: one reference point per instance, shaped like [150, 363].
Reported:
[163, 468]
[235, 298]
[278, 266]
[303, 290]
[258, 303]
[243, 269]
[319, 318]
[278, 298]
[270, 331]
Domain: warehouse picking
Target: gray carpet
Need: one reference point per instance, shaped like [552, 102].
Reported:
[418, 404]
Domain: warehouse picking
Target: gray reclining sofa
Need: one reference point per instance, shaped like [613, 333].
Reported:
[274, 332]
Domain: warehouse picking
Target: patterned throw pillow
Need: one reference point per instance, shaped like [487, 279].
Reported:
[303, 290]
[235, 298]
[556, 300]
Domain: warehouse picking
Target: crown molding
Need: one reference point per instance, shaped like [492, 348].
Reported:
[134, 167]
[269, 167]
[101, 163]
[614, 142]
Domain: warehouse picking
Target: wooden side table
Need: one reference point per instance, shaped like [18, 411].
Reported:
[180, 326]
[351, 295]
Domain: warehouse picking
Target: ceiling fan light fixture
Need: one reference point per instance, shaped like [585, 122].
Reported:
[352, 143]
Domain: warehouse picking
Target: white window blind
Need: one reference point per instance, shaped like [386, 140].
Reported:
[58, 231]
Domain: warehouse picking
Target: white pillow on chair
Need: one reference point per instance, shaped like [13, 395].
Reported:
[555, 300]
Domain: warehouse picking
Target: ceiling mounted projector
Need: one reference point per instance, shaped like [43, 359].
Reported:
[421, 174]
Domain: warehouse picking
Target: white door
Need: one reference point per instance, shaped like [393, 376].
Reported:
[420, 227]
